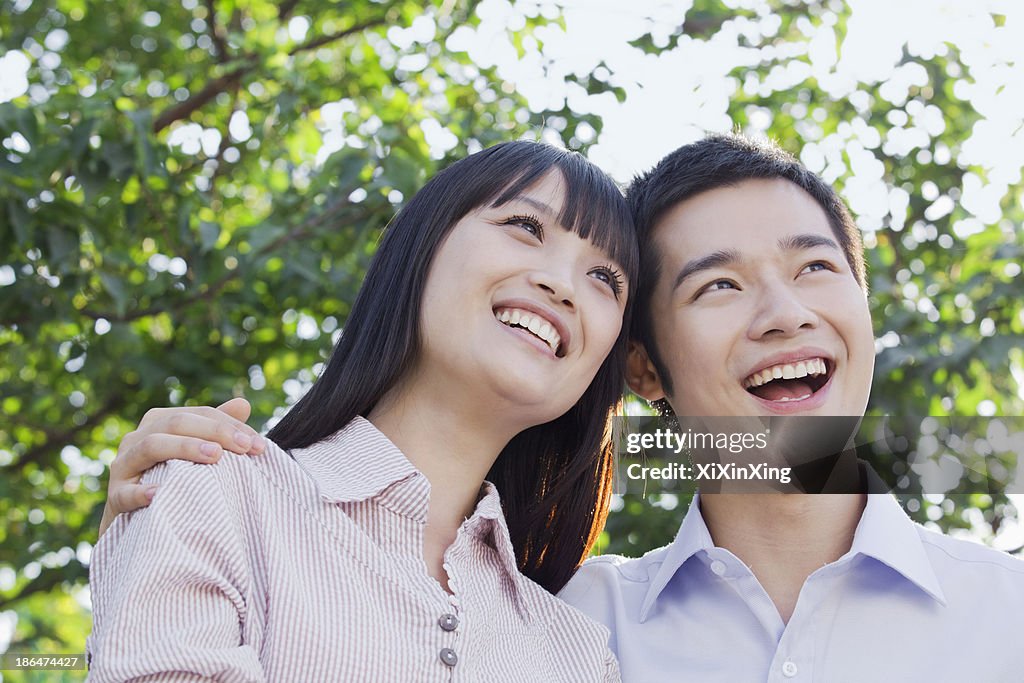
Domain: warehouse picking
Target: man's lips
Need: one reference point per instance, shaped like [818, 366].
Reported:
[807, 368]
[790, 358]
[791, 377]
[815, 400]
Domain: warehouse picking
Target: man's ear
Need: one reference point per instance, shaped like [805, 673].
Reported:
[641, 375]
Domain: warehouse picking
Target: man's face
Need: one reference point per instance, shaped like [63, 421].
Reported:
[756, 311]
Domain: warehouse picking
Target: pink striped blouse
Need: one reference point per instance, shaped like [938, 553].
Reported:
[309, 568]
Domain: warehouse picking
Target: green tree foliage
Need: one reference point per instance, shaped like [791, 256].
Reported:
[190, 193]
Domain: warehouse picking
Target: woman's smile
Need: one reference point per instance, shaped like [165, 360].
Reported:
[534, 321]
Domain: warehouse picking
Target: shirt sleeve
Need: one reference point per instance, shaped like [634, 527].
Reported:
[170, 585]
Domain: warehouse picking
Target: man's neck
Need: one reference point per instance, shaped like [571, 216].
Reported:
[783, 538]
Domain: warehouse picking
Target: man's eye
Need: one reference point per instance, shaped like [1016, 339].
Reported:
[815, 267]
[716, 285]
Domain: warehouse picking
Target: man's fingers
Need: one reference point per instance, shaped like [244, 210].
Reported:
[240, 410]
[237, 408]
[129, 497]
[205, 422]
[210, 424]
[156, 448]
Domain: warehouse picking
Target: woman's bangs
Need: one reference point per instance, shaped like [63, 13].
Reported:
[594, 207]
[595, 210]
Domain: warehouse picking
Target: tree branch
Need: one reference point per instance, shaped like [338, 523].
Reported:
[225, 142]
[47, 580]
[56, 438]
[183, 110]
[286, 9]
[337, 35]
[300, 231]
[233, 78]
[219, 41]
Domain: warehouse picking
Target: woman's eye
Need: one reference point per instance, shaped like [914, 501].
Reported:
[610, 277]
[528, 223]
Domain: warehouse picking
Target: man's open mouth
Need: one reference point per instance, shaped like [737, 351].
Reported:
[534, 324]
[790, 381]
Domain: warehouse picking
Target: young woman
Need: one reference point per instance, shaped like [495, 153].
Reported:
[481, 359]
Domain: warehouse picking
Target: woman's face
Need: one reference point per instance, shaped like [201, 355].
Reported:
[518, 311]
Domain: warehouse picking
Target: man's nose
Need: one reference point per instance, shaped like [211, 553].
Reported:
[782, 312]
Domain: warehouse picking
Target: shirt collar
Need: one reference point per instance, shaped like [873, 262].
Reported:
[488, 524]
[886, 534]
[357, 463]
[693, 536]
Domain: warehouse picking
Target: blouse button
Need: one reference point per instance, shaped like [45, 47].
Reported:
[448, 656]
[448, 622]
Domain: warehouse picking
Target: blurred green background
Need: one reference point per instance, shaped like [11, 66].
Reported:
[190, 192]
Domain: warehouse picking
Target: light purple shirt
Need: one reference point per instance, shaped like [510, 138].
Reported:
[904, 604]
[310, 568]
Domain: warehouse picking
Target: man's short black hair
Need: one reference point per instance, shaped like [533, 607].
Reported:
[714, 162]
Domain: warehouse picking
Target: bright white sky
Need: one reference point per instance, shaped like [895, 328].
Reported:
[673, 97]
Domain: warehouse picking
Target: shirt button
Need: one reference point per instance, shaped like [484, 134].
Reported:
[718, 567]
[448, 622]
[789, 669]
[448, 656]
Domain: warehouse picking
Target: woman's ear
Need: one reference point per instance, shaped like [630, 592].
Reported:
[641, 375]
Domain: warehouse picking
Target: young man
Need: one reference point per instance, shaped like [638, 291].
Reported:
[752, 264]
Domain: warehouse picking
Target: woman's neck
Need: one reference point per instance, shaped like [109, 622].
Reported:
[453, 447]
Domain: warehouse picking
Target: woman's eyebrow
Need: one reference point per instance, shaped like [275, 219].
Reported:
[539, 205]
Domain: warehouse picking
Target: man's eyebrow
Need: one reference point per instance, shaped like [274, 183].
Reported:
[726, 257]
[723, 257]
[807, 241]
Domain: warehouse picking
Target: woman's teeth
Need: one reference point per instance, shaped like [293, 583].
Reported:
[514, 317]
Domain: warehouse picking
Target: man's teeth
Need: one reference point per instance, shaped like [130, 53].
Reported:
[530, 321]
[813, 367]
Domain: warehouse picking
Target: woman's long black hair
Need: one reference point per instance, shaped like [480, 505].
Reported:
[554, 479]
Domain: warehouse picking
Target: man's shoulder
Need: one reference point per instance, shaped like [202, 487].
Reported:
[950, 554]
[613, 573]
[630, 569]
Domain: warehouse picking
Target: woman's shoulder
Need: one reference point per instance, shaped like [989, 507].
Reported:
[574, 641]
[234, 477]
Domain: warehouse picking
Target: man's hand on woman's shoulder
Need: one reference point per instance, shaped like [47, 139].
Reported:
[199, 434]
